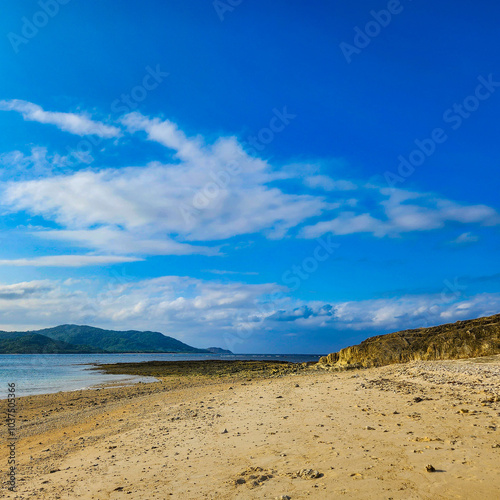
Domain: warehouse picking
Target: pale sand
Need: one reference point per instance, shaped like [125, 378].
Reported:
[362, 430]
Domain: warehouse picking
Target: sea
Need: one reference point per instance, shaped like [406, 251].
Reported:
[50, 373]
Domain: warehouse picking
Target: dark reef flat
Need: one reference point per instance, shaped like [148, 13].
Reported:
[205, 368]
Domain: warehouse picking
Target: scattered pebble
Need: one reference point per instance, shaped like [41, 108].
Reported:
[308, 474]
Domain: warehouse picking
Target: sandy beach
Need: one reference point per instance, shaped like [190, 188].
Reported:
[311, 434]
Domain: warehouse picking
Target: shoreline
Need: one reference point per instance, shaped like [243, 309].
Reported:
[368, 433]
[125, 382]
[49, 374]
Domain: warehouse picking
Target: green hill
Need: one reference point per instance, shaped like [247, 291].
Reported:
[116, 341]
[88, 339]
[33, 343]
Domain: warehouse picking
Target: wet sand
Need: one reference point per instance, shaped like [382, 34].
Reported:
[305, 434]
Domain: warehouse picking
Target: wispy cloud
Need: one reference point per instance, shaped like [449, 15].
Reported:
[223, 272]
[399, 211]
[20, 291]
[328, 184]
[69, 261]
[36, 164]
[213, 191]
[116, 240]
[167, 133]
[465, 239]
[78, 124]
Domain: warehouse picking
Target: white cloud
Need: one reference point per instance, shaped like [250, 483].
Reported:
[197, 311]
[167, 133]
[79, 124]
[69, 261]
[328, 184]
[37, 163]
[398, 211]
[222, 272]
[116, 240]
[465, 239]
[212, 192]
[215, 192]
[377, 315]
[19, 291]
[413, 311]
[232, 315]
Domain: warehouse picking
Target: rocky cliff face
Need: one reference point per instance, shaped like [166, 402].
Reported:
[463, 339]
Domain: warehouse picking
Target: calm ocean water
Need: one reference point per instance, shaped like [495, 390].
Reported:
[50, 373]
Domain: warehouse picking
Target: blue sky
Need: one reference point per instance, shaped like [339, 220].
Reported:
[278, 177]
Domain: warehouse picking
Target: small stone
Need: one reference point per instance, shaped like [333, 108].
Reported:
[224, 431]
[240, 480]
[308, 474]
[368, 428]
[430, 468]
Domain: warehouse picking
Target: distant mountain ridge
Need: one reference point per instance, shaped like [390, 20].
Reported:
[463, 339]
[218, 350]
[68, 339]
[33, 343]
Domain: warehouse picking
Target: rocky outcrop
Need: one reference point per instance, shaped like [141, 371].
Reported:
[463, 339]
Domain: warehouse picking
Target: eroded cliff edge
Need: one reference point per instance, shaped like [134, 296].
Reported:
[463, 339]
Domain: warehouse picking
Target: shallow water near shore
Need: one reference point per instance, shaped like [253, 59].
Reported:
[50, 373]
